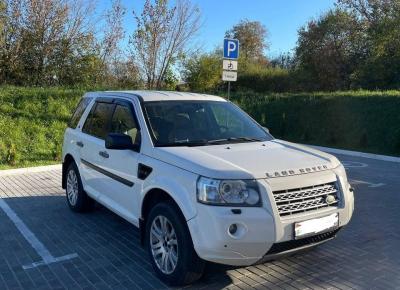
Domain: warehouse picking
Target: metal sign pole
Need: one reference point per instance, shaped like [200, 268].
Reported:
[230, 62]
[229, 89]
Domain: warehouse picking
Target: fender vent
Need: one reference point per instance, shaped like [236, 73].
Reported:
[143, 171]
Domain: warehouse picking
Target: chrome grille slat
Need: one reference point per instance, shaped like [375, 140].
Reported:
[297, 200]
[302, 206]
[304, 194]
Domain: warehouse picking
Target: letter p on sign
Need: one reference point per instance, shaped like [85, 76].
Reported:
[231, 48]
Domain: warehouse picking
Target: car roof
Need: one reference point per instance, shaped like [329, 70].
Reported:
[149, 96]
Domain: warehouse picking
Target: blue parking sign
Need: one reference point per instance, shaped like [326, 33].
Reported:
[231, 48]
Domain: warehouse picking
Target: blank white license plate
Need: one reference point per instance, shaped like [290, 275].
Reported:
[316, 226]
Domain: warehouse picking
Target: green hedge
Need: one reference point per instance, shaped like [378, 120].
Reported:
[361, 120]
[33, 120]
[264, 80]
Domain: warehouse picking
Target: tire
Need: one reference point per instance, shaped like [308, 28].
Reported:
[189, 267]
[77, 198]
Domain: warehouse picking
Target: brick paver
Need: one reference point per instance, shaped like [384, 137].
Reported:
[365, 255]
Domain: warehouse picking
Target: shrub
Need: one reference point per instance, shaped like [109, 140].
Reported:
[263, 79]
[359, 120]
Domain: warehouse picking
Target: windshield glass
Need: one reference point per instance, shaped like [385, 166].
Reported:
[197, 123]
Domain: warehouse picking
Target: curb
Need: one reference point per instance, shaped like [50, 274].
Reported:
[357, 154]
[17, 171]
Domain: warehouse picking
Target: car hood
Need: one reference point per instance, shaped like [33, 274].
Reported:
[253, 160]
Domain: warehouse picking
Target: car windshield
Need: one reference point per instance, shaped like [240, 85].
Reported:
[198, 123]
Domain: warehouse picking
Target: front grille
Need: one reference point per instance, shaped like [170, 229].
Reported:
[294, 244]
[297, 200]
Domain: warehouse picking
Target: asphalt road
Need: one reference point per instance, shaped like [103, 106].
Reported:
[101, 251]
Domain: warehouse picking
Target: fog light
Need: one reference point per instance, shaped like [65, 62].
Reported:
[232, 229]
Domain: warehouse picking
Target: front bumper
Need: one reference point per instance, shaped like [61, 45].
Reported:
[282, 249]
[260, 231]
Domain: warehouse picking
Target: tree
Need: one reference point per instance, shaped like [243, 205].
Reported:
[283, 60]
[203, 73]
[329, 50]
[115, 64]
[113, 32]
[380, 70]
[381, 24]
[162, 35]
[252, 37]
[125, 74]
[10, 40]
[371, 11]
[45, 39]
[3, 20]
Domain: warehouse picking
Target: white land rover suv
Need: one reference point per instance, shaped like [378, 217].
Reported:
[201, 179]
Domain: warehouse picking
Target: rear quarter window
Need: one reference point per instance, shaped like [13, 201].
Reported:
[76, 116]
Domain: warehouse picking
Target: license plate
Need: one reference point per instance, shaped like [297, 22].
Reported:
[316, 226]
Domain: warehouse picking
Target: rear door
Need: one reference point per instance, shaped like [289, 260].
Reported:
[91, 141]
[122, 188]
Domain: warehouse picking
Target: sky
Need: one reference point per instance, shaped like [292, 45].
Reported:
[282, 18]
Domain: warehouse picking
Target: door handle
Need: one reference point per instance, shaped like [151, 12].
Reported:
[104, 154]
[79, 143]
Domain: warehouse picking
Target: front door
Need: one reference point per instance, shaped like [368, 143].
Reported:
[123, 187]
[91, 143]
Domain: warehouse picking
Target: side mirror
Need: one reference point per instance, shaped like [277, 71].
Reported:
[266, 129]
[118, 141]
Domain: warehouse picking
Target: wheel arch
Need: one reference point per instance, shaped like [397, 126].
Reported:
[193, 265]
[150, 199]
[68, 159]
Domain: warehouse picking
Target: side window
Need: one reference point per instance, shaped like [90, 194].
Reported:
[123, 122]
[98, 121]
[76, 116]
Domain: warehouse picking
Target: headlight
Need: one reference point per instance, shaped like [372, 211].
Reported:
[228, 192]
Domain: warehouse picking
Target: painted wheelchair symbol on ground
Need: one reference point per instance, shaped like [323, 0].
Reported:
[369, 184]
[353, 164]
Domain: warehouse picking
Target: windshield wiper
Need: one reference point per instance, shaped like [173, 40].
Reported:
[234, 140]
[203, 142]
[188, 143]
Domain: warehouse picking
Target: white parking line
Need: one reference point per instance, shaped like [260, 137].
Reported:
[369, 184]
[358, 154]
[353, 164]
[42, 251]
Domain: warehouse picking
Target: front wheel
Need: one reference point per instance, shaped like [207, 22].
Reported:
[170, 246]
[77, 198]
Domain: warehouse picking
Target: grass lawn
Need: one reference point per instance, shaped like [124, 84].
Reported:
[33, 120]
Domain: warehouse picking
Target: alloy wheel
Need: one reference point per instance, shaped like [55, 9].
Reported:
[72, 187]
[164, 244]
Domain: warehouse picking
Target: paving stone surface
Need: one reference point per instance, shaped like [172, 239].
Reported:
[365, 255]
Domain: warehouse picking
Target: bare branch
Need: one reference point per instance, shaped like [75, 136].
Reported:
[162, 35]
[113, 31]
